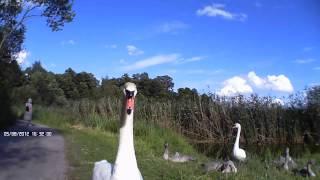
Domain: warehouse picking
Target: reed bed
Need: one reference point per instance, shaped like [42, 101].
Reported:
[204, 119]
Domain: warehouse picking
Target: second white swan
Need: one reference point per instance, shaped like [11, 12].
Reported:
[238, 153]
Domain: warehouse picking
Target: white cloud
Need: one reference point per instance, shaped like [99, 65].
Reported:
[314, 84]
[278, 101]
[307, 49]
[172, 27]
[68, 42]
[192, 59]
[152, 61]
[304, 61]
[71, 42]
[216, 10]
[273, 82]
[21, 56]
[235, 85]
[280, 83]
[134, 51]
[53, 65]
[112, 46]
[195, 58]
[258, 4]
[122, 61]
[256, 80]
[243, 85]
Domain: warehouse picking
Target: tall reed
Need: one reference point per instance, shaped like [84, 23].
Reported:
[203, 119]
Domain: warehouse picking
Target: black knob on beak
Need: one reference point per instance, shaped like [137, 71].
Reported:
[129, 94]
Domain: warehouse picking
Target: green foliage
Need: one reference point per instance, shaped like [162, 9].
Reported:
[14, 13]
[10, 77]
[86, 84]
[67, 82]
[87, 145]
[47, 88]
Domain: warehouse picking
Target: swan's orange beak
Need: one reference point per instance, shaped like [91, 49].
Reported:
[129, 104]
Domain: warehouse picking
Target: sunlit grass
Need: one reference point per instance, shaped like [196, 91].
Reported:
[85, 145]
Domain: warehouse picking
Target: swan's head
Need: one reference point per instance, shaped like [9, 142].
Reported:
[130, 92]
[166, 145]
[236, 125]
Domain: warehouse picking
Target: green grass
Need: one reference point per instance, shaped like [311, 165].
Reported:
[86, 145]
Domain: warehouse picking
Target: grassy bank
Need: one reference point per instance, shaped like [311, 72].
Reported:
[86, 145]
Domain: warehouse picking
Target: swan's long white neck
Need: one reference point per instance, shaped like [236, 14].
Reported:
[126, 152]
[236, 144]
[126, 164]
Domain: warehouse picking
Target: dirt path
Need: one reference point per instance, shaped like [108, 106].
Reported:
[32, 158]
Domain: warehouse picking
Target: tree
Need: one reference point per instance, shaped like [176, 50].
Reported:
[109, 87]
[45, 85]
[36, 67]
[67, 82]
[14, 13]
[10, 77]
[48, 91]
[87, 84]
[13, 16]
[166, 82]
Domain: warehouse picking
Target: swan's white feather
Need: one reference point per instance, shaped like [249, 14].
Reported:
[102, 170]
[239, 154]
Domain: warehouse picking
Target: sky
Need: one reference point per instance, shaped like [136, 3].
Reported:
[269, 47]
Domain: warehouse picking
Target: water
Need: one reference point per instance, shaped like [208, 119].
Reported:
[224, 151]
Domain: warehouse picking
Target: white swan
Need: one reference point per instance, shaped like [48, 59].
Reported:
[238, 153]
[125, 166]
[177, 157]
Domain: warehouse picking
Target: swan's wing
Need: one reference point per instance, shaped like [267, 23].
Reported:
[243, 153]
[280, 161]
[191, 158]
[141, 178]
[102, 170]
[176, 157]
[231, 166]
[212, 166]
[293, 164]
[177, 154]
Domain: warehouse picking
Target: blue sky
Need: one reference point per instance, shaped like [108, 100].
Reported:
[269, 47]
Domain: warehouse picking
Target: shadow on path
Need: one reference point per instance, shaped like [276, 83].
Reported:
[33, 157]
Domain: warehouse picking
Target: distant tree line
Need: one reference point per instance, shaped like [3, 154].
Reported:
[57, 89]
[201, 117]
